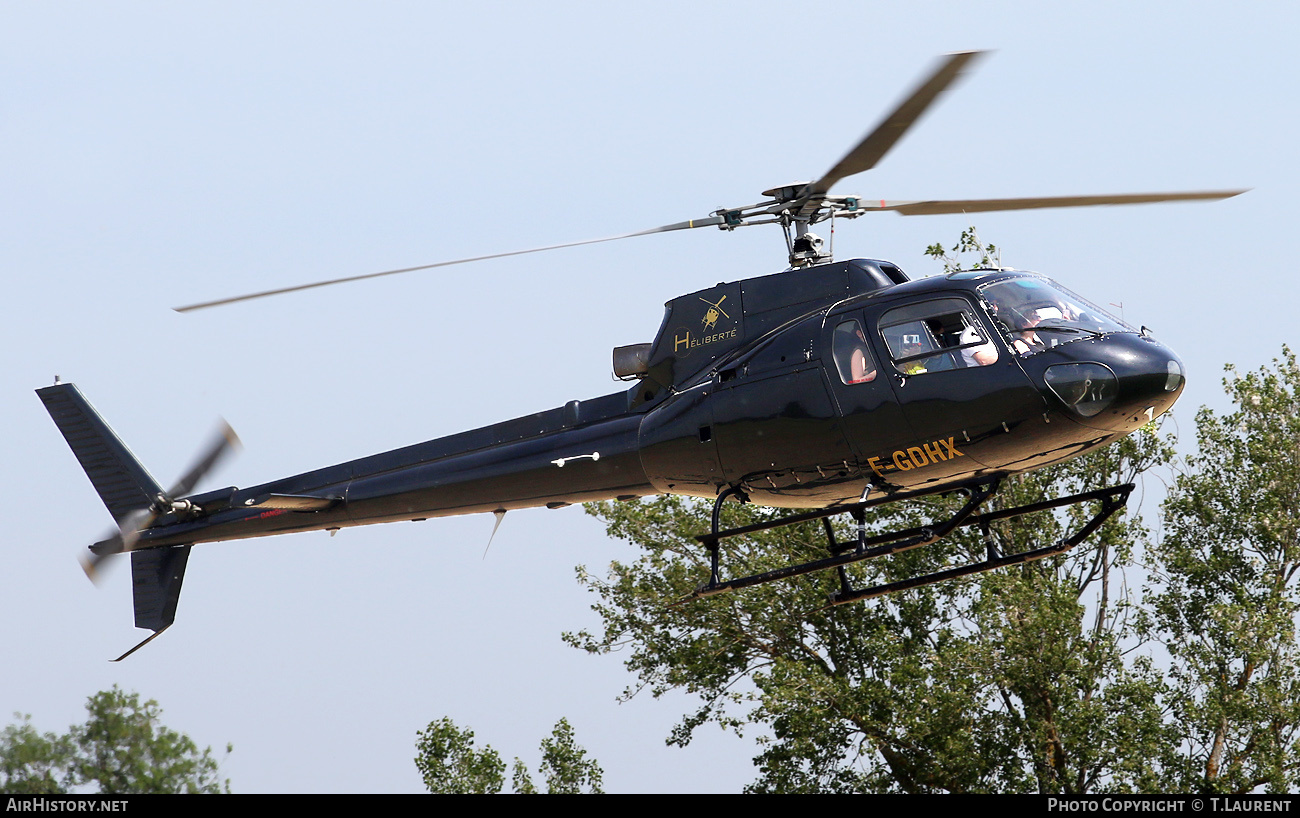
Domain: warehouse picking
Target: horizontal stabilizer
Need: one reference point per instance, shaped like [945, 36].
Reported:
[121, 481]
[291, 502]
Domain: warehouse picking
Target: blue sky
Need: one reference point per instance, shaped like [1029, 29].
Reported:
[158, 154]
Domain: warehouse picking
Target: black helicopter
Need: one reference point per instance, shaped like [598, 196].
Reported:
[829, 388]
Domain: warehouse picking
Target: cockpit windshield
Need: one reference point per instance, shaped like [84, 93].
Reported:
[1037, 314]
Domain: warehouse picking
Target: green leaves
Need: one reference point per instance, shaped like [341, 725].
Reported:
[1223, 595]
[33, 763]
[565, 765]
[121, 748]
[1012, 682]
[986, 255]
[449, 763]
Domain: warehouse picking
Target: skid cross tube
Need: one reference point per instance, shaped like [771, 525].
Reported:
[863, 547]
[1113, 499]
[890, 543]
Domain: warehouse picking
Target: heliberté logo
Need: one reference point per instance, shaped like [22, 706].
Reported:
[684, 340]
[711, 317]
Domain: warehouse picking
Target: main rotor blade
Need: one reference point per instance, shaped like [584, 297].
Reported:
[710, 221]
[940, 206]
[877, 143]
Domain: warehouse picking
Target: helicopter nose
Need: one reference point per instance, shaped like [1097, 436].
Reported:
[1125, 381]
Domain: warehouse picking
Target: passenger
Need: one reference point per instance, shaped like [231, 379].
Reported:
[860, 370]
[982, 355]
[912, 346]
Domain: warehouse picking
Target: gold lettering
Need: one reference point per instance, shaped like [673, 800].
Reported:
[915, 457]
[705, 340]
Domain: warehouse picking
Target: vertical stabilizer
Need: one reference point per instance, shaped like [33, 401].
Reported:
[156, 575]
[134, 499]
[121, 481]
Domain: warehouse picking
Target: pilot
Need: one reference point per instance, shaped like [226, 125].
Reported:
[1051, 314]
[1026, 340]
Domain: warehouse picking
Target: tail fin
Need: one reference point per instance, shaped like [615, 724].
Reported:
[121, 481]
[156, 575]
[127, 489]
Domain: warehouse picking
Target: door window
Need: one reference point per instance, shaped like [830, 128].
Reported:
[852, 356]
[934, 336]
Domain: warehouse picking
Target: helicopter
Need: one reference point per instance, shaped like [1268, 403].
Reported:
[827, 389]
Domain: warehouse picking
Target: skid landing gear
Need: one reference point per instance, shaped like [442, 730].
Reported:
[863, 547]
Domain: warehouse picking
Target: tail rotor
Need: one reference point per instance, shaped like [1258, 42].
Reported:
[135, 522]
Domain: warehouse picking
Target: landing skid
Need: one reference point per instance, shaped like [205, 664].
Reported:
[864, 548]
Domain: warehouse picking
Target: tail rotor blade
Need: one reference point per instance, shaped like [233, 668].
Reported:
[222, 442]
[96, 562]
[132, 525]
[117, 542]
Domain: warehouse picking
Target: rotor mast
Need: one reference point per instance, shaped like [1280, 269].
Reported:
[796, 210]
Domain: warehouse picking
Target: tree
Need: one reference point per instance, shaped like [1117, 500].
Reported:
[449, 763]
[121, 748]
[999, 683]
[565, 765]
[32, 763]
[1224, 594]
[969, 245]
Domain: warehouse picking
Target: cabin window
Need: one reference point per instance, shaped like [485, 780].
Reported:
[1036, 314]
[852, 356]
[934, 336]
